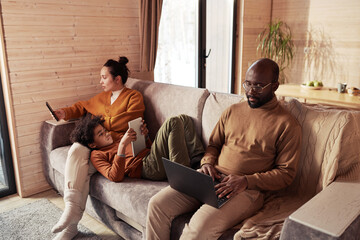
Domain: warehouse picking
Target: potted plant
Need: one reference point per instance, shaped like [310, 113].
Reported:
[275, 42]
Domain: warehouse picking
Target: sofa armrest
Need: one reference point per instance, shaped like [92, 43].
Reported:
[53, 135]
[331, 214]
[56, 134]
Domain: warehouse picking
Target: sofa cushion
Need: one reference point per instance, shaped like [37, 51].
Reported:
[165, 100]
[215, 104]
[129, 197]
[330, 144]
[58, 158]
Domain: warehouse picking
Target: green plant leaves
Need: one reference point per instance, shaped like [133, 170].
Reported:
[275, 42]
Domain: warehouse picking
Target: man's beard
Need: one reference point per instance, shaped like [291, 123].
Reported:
[255, 105]
[259, 102]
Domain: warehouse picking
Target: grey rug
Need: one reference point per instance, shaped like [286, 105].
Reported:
[34, 221]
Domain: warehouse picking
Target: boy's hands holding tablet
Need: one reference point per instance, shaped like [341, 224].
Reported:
[140, 128]
[128, 137]
[144, 130]
[134, 135]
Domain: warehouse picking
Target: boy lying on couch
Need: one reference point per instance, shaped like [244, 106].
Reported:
[113, 158]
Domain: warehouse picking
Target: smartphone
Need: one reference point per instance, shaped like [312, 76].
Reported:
[52, 111]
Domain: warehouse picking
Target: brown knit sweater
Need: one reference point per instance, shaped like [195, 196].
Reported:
[263, 144]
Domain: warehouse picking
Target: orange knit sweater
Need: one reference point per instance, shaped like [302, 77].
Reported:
[128, 106]
[115, 168]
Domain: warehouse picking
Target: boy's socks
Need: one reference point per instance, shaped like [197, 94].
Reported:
[68, 233]
[73, 210]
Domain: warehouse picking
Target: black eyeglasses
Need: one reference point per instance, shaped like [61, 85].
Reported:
[256, 88]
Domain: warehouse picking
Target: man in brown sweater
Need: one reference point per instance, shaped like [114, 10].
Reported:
[254, 148]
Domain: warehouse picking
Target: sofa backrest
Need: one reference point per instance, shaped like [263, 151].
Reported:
[330, 146]
[165, 100]
[214, 106]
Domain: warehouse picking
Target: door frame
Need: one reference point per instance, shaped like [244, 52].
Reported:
[9, 110]
[201, 68]
[6, 163]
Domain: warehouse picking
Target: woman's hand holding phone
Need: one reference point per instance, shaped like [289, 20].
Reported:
[60, 113]
[57, 116]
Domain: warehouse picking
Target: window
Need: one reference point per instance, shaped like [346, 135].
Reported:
[195, 46]
[219, 44]
[177, 44]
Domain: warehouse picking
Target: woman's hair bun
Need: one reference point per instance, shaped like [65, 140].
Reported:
[123, 60]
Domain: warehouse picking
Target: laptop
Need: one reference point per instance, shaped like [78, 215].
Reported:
[193, 183]
[139, 144]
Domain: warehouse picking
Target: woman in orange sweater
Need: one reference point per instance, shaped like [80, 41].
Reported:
[118, 105]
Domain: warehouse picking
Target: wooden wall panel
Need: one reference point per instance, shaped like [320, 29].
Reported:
[74, 8]
[55, 50]
[335, 41]
[254, 16]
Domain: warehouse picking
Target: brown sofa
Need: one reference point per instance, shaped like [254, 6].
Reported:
[330, 137]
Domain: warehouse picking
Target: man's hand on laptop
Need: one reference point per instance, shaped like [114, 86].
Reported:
[209, 169]
[231, 185]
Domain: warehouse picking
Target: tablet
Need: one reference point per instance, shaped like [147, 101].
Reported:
[139, 144]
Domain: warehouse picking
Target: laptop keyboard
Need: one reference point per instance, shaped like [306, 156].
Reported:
[223, 199]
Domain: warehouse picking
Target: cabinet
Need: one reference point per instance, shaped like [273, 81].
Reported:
[324, 96]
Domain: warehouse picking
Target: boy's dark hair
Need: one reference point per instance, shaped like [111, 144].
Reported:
[83, 132]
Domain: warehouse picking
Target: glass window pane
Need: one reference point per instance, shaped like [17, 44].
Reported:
[177, 43]
[3, 184]
[219, 38]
